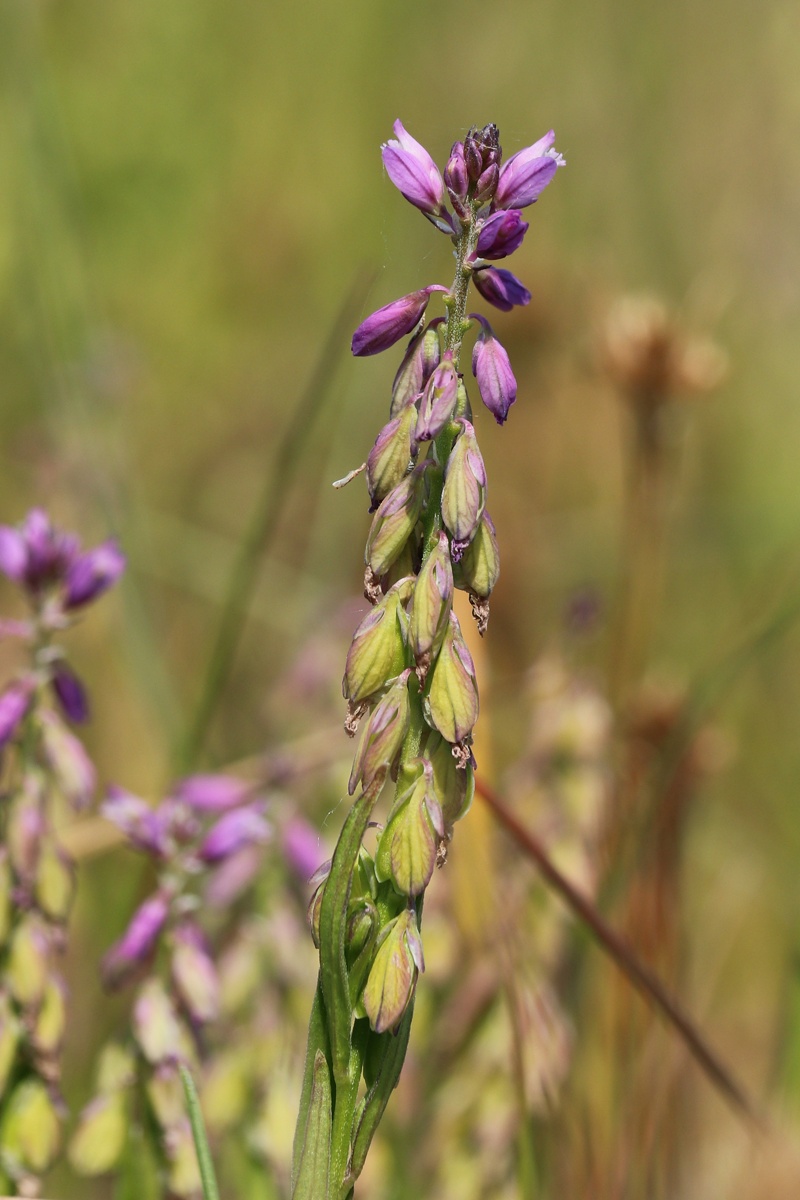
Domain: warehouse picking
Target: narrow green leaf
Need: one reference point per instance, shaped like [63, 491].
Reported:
[333, 928]
[373, 1106]
[313, 1168]
[317, 1043]
[204, 1160]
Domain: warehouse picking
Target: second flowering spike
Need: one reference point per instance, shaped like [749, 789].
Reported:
[464, 493]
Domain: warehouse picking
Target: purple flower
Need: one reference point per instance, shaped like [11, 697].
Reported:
[491, 368]
[501, 234]
[501, 288]
[233, 876]
[14, 704]
[236, 829]
[13, 553]
[386, 326]
[138, 941]
[413, 172]
[93, 573]
[147, 829]
[71, 694]
[212, 793]
[36, 555]
[527, 173]
[301, 848]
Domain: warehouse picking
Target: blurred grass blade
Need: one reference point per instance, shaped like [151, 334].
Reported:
[313, 1171]
[204, 1160]
[264, 521]
[623, 955]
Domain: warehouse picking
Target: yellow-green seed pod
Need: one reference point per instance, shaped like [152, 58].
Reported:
[479, 568]
[394, 972]
[28, 962]
[51, 1020]
[378, 650]
[9, 1039]
[99, 1140]
[30, 1134]
[394, 522]
[431, 602]
[383, 736]
[155, 1023]
[451, 701]
[392, 456]
[116, 1068]
[225, 1091]
[184, 1173]
[55, 882]
[408, 845]
[165, 1092]
[464, 492]
[454, 786]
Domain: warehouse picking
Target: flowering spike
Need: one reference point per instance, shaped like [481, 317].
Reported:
[492, 369]
[527, 173]
[464, 494]
[413, 172]
[501, 288]
[451, 700]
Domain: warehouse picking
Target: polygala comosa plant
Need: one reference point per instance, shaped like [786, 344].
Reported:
[409, 676]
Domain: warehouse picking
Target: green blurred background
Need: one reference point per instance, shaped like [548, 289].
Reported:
[191, 190]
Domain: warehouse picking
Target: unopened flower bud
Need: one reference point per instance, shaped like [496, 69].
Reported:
[431, 603]
[241, 827]
[156, 1027]
[388, 324]
[501, 288]
[456, 178]
[394, 521]
[378, 650]
[438, 401]
[93, 573]
[410, 840]
[14, 704]
[420, 360]
[138, 942]
[501, 234]
[492, 369]
[194, 974]
[393, 976]
[27, 966]
[360, 926]
[454, 786]
[486, 186]
[482, 150]
[71, 694]
[464, 493]
[101, 1135]
[451, 701]
[68, 760]
[31, 1130]
[212, 793]
[383, 736]
[55, 882]
[10, 1032]
[391, 457]
[47, 1035]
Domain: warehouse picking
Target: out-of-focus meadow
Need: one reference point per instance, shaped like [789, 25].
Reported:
[192, 200]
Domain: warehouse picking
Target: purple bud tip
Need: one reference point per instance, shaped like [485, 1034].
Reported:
[301, 848]
[492, 369]
[71, 695]
[212, 793]
[392, 322]
[93, 573]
